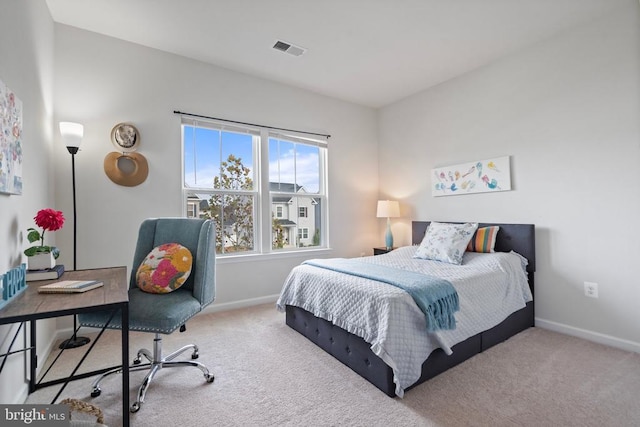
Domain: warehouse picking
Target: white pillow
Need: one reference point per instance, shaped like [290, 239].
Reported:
[446, 242]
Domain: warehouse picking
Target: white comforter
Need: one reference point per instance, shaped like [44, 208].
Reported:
[490, 287]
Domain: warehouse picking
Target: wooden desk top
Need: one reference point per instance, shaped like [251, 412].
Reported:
[32, 305]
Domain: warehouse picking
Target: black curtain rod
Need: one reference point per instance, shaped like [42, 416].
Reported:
[251, 124]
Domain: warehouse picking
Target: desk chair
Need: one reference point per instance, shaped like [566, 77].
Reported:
[164, 313]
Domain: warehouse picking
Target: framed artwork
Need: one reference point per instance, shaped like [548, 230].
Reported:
[481, 176]
[10, 141]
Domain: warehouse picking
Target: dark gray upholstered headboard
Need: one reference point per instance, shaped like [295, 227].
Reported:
[511, 237]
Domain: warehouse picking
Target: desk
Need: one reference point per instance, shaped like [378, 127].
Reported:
[31, 306]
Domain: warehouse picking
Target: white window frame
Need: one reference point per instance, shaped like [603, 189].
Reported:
[191, 209]
[262, 195]
[254, 193]
[322, 194]
[303, 232]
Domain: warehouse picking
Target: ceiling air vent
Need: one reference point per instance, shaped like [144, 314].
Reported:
[289, 48]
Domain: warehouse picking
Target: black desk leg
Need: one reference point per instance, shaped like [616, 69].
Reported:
[33, 363]
[125, 364]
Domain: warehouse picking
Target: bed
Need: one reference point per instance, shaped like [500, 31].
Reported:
[360, 349]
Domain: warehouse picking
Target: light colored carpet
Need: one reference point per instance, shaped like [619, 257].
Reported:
[269, 375]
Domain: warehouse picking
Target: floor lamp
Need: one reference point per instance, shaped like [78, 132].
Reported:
[72, 134]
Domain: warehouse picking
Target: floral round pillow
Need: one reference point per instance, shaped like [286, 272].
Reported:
[165, 269]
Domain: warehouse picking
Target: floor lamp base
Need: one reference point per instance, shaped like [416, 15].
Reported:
[74, 342]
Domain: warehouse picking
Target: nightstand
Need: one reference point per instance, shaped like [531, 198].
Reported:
[382, 250]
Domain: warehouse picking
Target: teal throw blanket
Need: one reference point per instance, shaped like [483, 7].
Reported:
[436, 297]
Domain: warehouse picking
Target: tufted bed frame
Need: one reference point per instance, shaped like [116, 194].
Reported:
[354, 352]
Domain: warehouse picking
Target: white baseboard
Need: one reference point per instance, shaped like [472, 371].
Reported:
[22, 393]
[589, 335]
[211, 308]
[216, 307]
[599, 338]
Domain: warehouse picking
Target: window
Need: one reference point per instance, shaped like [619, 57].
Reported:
[192, 211]
[243, 177]
[219, 177]
[303, 234]
[296, 174]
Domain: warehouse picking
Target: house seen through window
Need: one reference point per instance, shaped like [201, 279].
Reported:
[224, 180]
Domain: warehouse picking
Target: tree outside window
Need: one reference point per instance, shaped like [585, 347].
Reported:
[219, 182]
[233, 213]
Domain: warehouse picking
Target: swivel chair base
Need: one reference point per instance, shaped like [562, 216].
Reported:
[155, 364]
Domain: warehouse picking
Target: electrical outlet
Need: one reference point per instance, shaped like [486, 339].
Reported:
[591, 289]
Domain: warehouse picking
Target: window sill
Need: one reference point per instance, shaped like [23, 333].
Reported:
[306, 254]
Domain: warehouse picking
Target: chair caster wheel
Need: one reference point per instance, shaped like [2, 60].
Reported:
[194, 356]
[135, 407]
[95, 392]
[137, 361]
[209, 378]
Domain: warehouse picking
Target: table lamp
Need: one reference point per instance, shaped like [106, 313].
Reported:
[388, 209]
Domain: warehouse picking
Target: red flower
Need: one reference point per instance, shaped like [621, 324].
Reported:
[49, 219]
[164, 273]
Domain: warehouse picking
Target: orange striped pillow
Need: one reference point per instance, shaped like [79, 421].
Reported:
[484, 240]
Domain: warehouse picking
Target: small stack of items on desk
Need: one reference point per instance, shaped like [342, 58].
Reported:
[69, 286]
[46, 274]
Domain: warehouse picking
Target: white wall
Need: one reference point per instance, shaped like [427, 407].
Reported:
[101, 81]
[567, 111]
[26, 67]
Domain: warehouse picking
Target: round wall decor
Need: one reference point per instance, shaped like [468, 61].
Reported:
[128, 169]
[125, 137]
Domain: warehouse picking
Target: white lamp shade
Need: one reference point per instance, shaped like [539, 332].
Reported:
[72, 133]
[388, 209]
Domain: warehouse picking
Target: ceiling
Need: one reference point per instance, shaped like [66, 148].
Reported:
[370, 52]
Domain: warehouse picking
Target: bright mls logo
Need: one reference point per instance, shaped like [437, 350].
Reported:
[34, 415]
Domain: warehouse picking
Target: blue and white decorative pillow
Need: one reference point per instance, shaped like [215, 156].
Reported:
[446, 242]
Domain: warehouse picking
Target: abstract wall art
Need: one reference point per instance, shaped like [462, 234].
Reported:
[474, 177]
[10, 141]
